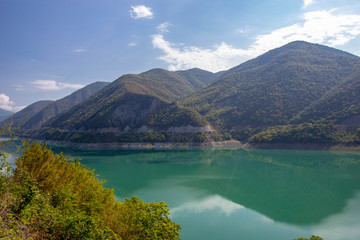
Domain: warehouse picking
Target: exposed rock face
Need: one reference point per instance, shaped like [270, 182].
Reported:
[145, 129]
[189, 129]
[131, 111]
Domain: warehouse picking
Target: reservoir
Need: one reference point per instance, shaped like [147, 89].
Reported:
[218, 193]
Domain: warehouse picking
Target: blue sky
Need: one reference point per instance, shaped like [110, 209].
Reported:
[50, 48]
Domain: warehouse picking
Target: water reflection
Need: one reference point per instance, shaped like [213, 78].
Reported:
[209, 203]
[344, 225]
[285, 194]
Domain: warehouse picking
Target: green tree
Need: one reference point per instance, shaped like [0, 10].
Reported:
[311, 238]
[54, 197]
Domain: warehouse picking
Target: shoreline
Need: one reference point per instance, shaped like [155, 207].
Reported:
[142, 145]
[220, 144]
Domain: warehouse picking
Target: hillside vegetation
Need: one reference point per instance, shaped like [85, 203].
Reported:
[53, 197]
[126, 101]
[340, 104]
[279, 92]
[22, 116]
[59, 106]
[273, 88]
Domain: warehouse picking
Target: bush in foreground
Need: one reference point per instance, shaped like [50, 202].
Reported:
[53, 197]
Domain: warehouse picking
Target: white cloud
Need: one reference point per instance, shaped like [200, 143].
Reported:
[141, 11]
[19, 87]
[8, 105]
[308, 3]
[79, 50]
[49, 85]
[324, 27]
[223, 57]
[132, 44]
[163, 27]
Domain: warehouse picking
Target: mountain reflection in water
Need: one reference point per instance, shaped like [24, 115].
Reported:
[279, 193]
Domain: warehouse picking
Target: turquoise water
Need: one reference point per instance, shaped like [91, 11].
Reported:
[240, 194]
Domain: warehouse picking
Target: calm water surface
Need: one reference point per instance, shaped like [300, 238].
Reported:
[240, 194]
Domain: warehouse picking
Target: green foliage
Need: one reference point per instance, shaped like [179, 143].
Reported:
[54, 197]
[306, 133]
[244, 134]
[147, 221]
[175, 116]
[341, 104]
[311, 238]
[128, 99]
[273, 88]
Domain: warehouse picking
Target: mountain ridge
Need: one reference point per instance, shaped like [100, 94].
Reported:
[255, 101]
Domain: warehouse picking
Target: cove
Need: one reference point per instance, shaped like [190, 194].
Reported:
[240, 194]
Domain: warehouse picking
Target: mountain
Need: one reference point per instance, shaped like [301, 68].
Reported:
[59, 106]
[4, 114]
[298, 93]
[126, 102]
[341, 104]
[274, 87]
[25, 114]
[197, 77]
[34, 115]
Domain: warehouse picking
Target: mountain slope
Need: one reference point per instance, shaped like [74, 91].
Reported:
[125, 102]
[341, 104]
[272, 88]
[4, 114]
[197, 77]
[270, 99]
[25, 114]
[35, 120]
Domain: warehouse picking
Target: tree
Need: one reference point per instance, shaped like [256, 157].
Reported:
[54, 197]
[313, 237]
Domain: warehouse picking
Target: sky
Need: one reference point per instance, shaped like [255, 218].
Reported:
[51, 48]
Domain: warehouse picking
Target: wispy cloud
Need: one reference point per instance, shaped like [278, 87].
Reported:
[163, 27]
[79, 50]
[307, 3]
[132, 44]
[180, 57]
[324, 27]
[141, 11]
[8, 105]
[51, 85]
[19, 87]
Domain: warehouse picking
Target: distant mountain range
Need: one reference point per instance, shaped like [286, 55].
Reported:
[277, 92]
[4, 114]
[34, 115]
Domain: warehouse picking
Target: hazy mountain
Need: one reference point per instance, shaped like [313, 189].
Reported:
[274, 87]
[35, 115]
[25, 114]
[4, 114]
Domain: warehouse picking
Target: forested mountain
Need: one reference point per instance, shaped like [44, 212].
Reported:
[273, 88]
[298, 93]
[33, 116]
[341, 104]
[22, 116]
[126, 102]
[197, 77]
[63, 104]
